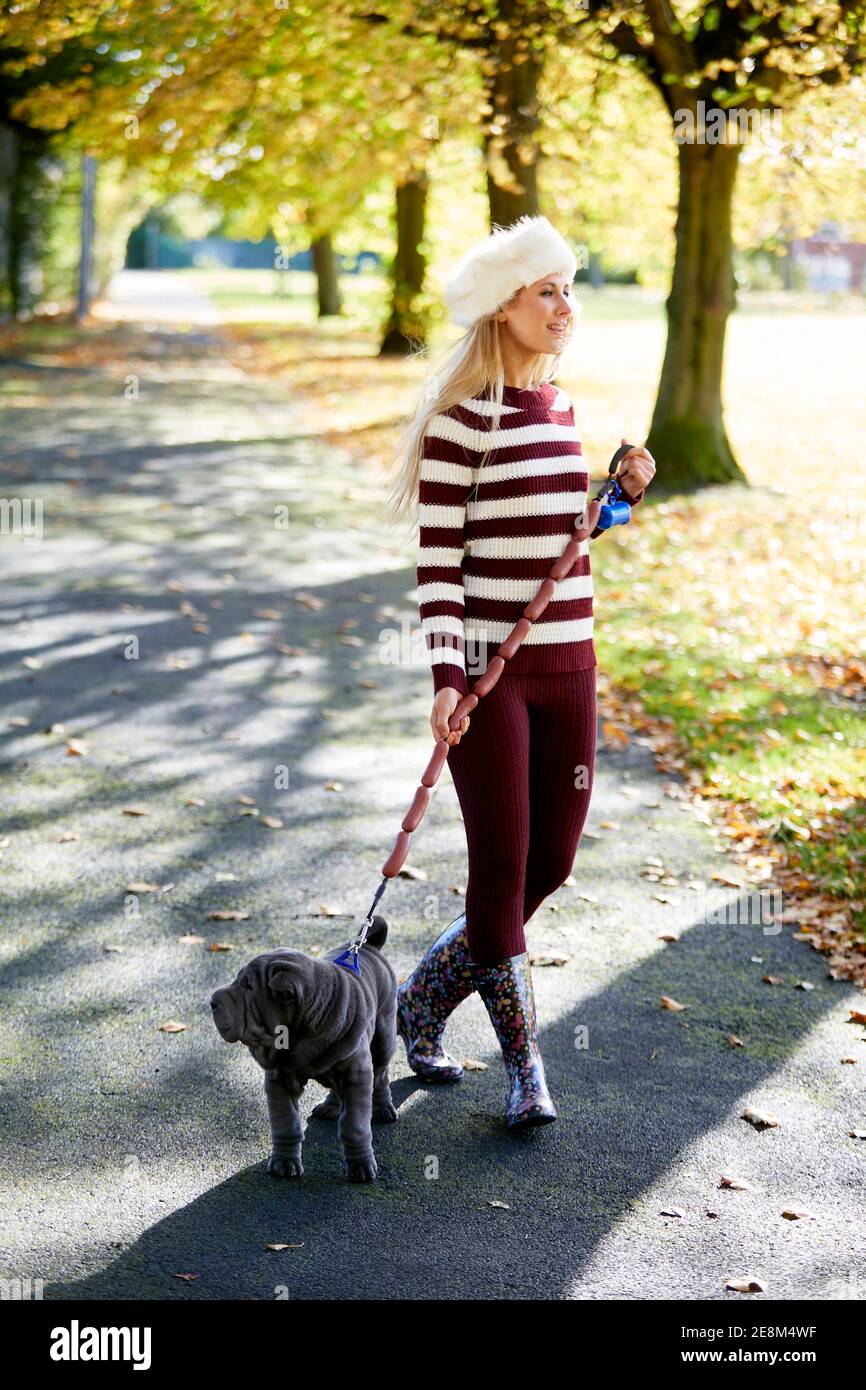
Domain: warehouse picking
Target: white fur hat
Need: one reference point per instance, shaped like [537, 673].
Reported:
[511, 257]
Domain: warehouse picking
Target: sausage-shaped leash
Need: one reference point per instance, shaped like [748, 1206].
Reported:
[608, 508]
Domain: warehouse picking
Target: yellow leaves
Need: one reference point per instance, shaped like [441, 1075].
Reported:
[613, 733]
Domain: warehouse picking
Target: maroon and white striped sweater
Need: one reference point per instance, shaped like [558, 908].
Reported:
[481, 559]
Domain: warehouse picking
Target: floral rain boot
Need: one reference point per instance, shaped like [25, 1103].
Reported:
[439, 982]
[506, 989]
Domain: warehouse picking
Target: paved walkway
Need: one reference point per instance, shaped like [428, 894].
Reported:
[150, 622]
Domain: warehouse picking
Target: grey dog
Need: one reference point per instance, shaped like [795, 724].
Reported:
[304, 1018]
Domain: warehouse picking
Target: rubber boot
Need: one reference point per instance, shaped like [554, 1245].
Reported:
[440, 981]
[506, 989]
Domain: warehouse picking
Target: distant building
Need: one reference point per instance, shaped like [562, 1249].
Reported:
[829, 261]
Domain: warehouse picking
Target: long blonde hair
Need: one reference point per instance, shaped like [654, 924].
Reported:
[462, 373]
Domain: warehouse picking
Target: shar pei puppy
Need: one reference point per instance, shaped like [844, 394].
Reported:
[309, 1019]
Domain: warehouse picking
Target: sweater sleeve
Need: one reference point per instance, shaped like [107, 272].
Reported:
[445, 481]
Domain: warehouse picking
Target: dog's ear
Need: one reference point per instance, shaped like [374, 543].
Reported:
[282, 979]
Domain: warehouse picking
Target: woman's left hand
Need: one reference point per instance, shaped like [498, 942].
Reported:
[636, 469]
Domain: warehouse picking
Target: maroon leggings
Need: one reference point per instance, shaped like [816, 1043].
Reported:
[515, 773]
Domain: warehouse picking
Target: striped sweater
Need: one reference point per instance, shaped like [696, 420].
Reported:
[482, 558]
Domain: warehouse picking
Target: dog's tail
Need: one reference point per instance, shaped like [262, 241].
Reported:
[378, 933]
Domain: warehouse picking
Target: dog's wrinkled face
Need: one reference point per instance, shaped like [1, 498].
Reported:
[266, 995]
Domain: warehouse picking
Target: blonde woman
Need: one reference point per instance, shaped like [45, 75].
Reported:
[492, 461]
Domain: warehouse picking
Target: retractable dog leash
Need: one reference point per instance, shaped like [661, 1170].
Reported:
[608, 508]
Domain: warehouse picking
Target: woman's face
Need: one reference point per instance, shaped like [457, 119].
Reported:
[540, 318]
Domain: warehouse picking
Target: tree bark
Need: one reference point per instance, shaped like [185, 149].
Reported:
[8, 165]
[30, 206]
[687, 435]
[511, 150]
[327, 282]
[406, 326]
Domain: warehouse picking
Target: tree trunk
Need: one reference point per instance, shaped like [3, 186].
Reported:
[687, 435]
[30, 205]
[511, 148]
[85, 257]
[407, 327]
[8, 165]
[327, 283]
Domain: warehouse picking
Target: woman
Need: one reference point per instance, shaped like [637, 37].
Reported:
[493, 458]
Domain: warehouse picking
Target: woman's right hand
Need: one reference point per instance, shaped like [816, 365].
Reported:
[444, 704]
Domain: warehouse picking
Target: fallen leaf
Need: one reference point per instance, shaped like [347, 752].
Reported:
[64, 837]
[409, 871]
[194, 801]
[746, 1283]
[668, 1003]
[470, 1064]
[772, 979]
[247, 800]
[134, 811]
[272, 822]
[733, 1041]
[495, 1202]
[761, 1119]
[327, 910]
[187, 1277]
[549, 960]
[671, 1211]
[272, 614]
[19, 721]
[190, 939]
[220, 946]
[798, 1214]
[32, 663]
[333, 786]
[76, 748]
[142, 888]
[280, 1245]
[172, 1026]
[736, 1184]
[229, 915]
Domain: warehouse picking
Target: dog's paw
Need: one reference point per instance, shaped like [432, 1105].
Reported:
[362, 1169]
[384, 1113]
[326, 1110]
[279, 1167]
